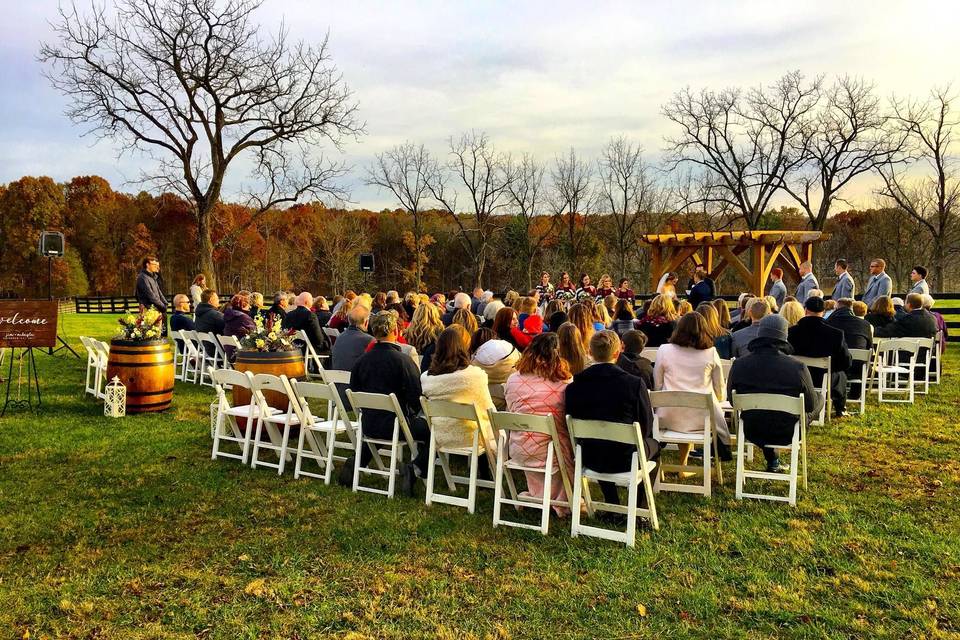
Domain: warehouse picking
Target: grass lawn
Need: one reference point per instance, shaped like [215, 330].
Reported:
[127, 529]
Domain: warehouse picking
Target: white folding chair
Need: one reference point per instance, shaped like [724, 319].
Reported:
[924, 364]
[227, 429]
[310, 356]
[317, 436]
[332, 335]
[179, 354]
[445, 409]
[211, 358]
[190, 365]
[103, 352]
[381, 446]
[937, 363]
[706, 438]
[223, 343]
[637, 476]
[504, 423]
[861, 364]
[91, 383]
[894, 377]
[824, 365]
[725, 366]
[797, 446]
[277, 423]
[650, 354]
[334, 377]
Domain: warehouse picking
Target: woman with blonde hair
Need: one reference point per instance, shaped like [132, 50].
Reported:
[605, 286]
[722, 340]
[424, 328]
[581, 317]
[684, 307]
[792, 311]
[466, 319]
[881, 313]
[774, 307]
[511, 299]
[498, 358]
[723, 312]
[610, 303]
[659, 321]
[570, 345]
[526, 307]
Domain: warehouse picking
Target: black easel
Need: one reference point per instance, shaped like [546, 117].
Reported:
[63, 343]
[19, 402]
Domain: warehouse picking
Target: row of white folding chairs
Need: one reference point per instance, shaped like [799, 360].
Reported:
[194, 362]
[894, 364]
[98, 353]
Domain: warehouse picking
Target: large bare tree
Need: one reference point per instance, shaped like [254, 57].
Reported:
[572, 199]
[195, 85]
[844, 139]
[527, 196]
[928, 187]
[477, 169]
[404, 171]
[741, 143]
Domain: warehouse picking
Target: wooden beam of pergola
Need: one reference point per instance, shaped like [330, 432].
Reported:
[717, 250]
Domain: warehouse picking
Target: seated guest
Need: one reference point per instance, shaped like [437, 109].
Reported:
[756, 311]
[339, 320]
[423, 332]
[302, 318]
[630, 359]
[556, 319]
[625, 400]
[768, 368]
[860, 309]
[207, 318]
[915, 323]
[498, 358]
[322, 309]
[180, 319]
[485, 298]
[722, 340]
[881, 312]
[856, 331]
[490, 311]
[353, 342]
[737, 314]
[533, 326]
[276, 312]
[451, 377]
[379, 303]
[928, 303]
[571, 348]
[581, 316]
[899, 309]
[385, 369]
[683, 308]
[527, 307]
[538, 388]
[411, 300]
[659, 321]
[689, 362]
[505, 326]
[723, 312]
[236, 319]
[401, 312]
[791, 311]
[460, 301]
[828, 307]
[623, 317]
[466, 319]
[812, 337]
[610, 307]
[256, 304]
[476, 300]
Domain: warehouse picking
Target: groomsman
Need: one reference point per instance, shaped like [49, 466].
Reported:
[879, 284]
[808, 282]
[845, 287]
[777, 289]
[919, 278]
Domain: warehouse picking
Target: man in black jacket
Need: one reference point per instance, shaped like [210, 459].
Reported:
[768, 368]
[812, 337]
[149, 291]
[702, 289]
[207, 317]
[625, 399]
[385, 369]
[856, 331]
[278, 310]
[304, 318]
[630, 359]
[917, 322]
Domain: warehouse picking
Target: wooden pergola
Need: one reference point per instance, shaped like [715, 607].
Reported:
[717, 250]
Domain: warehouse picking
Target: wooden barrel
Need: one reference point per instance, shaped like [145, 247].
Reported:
[287, 363]
[146, 370]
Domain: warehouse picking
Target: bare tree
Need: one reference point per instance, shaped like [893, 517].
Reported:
[477, 168]
[742, 143]
[630, 195]
[928, 187]
[572, 198]
[844, 139]
[526, 192]
[338, 248]
[195, 86]
[404, 171]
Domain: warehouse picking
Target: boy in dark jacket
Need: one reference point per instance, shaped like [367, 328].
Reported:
[630, 361]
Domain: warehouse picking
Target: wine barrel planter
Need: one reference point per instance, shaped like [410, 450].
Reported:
[146, 370]
[287, 363]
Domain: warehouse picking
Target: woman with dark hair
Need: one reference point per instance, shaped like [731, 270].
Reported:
[689, 362]
[451, 377]
[722, 340]
[566, 286]
[236, 319]
[506, 326]
[555, 320]
[585, 290]
[538, 388]
[498, 358]
[623, 290]
[623, 318]
[379, 303]
[881, 312]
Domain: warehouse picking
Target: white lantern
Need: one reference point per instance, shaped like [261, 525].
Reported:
[115, 399]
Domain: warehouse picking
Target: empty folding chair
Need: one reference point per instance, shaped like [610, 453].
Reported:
[91, 383]
[179, 354]
[894, 376]
[380, 447]
[227, 345]
[103, 352]
[797, 446]
[505, 423]
[705, 438]
[227, 428]
[922, 372]
[445, 409]
[276, 422]
[859, 379]
[638, 476]
[317, 436]
[190, 366]
[821, 364]
[937, 364]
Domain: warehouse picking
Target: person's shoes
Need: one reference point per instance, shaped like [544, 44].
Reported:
[697, 453]
[841, 414]
[777, 467]
[408, 480]
[724, 450]
[345, 475]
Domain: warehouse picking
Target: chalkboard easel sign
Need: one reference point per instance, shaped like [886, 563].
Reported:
[25, 324]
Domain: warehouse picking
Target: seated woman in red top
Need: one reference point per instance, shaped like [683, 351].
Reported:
[623, 290]
[507, 327]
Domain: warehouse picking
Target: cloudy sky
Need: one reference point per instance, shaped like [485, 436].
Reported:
[537, 76]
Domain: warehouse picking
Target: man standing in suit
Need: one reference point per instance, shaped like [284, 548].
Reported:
[626, 400]
[845, 287]
[919, 278]
[808, 282]
[812, 337]
[304, 318]
[778, 290]
[879, 283]
[703, 287]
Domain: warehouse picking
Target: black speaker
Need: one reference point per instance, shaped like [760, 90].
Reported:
[366, 262]
[51, 244]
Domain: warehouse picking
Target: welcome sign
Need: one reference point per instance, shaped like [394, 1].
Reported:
[28, 323]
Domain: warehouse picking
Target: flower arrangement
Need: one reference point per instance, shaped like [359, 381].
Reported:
[267, 339]
[146, 326]
[564, 294]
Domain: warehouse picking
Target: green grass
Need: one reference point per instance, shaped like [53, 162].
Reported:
[127, 529]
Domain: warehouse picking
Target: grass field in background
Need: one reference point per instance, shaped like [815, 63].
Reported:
[127, 529]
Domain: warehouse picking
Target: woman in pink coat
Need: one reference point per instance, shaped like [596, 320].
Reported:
[538, 388]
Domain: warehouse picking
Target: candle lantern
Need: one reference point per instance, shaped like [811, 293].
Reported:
[115, 399]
